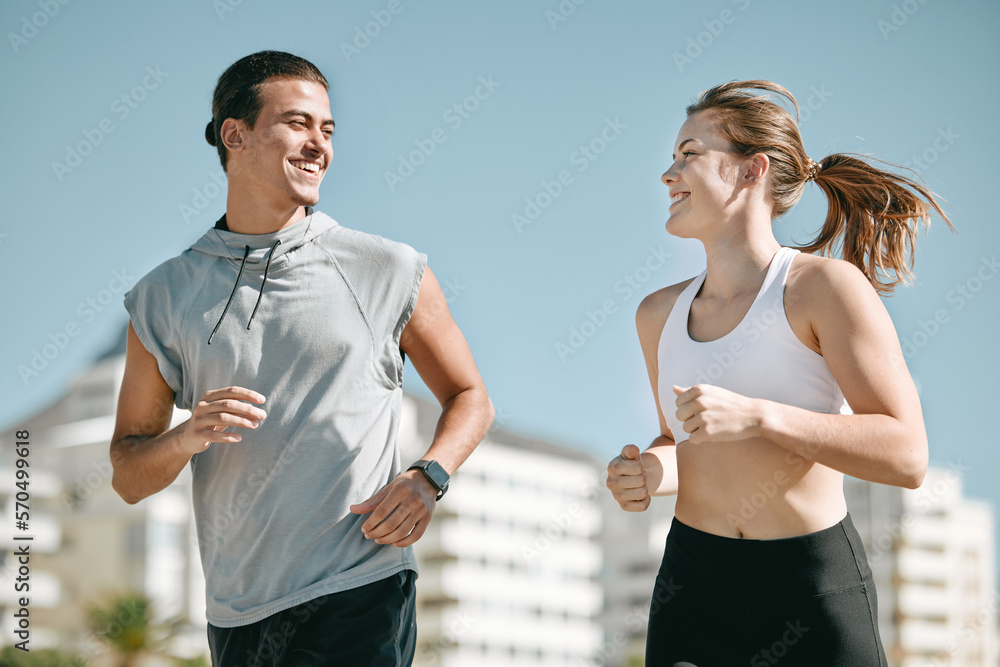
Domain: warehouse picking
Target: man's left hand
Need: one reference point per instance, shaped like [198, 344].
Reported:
[400, 511]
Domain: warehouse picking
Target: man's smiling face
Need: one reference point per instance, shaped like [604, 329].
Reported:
[289, 149]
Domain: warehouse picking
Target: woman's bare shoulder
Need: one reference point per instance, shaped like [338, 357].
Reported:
[818, 279]
[655, 308]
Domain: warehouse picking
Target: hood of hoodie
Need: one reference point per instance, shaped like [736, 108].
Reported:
[259, 252]
[232, 245]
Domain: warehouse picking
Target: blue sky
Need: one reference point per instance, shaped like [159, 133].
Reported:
[518, 144]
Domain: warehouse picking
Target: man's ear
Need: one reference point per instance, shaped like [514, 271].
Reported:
[232, 133]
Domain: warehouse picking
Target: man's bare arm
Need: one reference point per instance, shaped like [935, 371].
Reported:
[440, 354]
[146, 457]
[401, 511]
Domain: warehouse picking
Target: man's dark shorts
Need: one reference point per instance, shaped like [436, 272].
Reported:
[371, 625]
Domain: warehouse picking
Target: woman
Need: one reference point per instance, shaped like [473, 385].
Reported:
[775, 372]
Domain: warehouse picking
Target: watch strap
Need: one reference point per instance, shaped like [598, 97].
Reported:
[440, 484]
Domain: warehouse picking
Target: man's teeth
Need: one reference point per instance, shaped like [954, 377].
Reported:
[307, 166]
[679, 196]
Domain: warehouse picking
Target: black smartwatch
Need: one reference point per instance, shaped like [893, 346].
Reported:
[435, 474]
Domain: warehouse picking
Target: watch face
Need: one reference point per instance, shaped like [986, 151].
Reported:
[437, 474]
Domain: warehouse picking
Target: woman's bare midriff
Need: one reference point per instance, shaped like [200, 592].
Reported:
[755, 489]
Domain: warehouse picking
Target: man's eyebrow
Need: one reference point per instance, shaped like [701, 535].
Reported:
[306, 115]
[674, 156]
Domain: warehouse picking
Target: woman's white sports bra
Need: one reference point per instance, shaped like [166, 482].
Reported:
[760, 358]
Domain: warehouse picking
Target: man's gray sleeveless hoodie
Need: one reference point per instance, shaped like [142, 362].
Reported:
[310, 317]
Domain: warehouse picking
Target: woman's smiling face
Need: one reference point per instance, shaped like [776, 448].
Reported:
[703, 178]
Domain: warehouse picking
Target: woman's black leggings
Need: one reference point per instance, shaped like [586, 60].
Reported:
[727, 602]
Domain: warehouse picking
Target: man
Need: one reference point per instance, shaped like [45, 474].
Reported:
[284, 334]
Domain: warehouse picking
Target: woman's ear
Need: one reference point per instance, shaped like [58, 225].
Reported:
[756, 168]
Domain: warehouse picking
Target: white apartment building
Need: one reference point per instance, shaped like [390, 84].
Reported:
[933, 557]
[97, 544]
[633, 548]
[510, 565]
